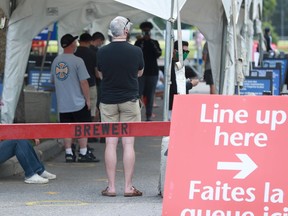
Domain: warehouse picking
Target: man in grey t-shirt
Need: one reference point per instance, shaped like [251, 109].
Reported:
[70, 76]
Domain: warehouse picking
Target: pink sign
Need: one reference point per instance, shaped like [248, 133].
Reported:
[228, 156]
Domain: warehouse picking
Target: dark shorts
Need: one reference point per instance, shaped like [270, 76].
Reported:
[83, 115]
[208, 77]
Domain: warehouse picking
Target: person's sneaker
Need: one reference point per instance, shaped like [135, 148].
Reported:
[36, 179]
[89, 157]
[48, 175]
[70, 158]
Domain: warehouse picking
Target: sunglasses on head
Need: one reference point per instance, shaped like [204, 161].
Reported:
[128, 20]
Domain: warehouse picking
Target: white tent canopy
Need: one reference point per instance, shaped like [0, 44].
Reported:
[31, 16]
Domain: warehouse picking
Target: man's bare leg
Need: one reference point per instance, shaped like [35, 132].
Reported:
[128, 162]
[111, 161]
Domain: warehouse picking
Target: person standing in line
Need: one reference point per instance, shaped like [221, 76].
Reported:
[70, 76]
[98, 40]
[89, 57]
[268, 39]
[208, 76]
[119, 65]
[151, 52]
[191, 81]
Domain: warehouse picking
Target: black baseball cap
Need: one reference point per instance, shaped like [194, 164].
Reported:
[67, 39]
[85, 37]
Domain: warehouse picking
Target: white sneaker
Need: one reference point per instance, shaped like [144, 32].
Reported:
[36, 179]
[48, 175]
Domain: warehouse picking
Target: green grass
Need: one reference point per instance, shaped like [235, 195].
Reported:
[282, 46]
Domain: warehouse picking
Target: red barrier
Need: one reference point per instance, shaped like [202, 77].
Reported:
[77, 130]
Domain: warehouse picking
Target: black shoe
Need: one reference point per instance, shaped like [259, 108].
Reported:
[89, 157]
[90, 149]
[70, 158]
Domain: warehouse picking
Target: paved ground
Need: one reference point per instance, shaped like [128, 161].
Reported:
[76, 191]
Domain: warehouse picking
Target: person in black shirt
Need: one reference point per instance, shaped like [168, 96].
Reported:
[151, 52]
[89, 57]
[119, 65]
[268, 39]
[98, 39]
[191, 81]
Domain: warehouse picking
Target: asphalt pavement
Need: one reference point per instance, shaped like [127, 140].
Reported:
[77, 189]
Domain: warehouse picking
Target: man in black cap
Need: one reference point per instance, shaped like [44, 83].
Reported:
[70, 76]
[151, 52]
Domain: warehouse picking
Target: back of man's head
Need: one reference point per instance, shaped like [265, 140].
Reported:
[118, 26]
[98, 35]
[85, 37]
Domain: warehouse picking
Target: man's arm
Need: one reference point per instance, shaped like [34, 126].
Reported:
[100, 75]
[85, 90]
[97, 73]
[140, 72]
[157, 49]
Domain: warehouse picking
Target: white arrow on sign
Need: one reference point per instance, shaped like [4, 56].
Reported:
[246, 166]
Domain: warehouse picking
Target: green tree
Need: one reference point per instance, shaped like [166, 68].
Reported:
[269, 8]
[280, 18]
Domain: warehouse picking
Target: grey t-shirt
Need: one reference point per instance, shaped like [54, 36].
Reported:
[67, 71]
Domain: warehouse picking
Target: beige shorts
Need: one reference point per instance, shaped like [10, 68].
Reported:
[124, 112]
[93, 99]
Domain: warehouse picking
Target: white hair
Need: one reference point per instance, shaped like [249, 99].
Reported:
[118, 24]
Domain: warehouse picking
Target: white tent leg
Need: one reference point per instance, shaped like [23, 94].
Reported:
[12, 79]
[167, 73]
[163, 162]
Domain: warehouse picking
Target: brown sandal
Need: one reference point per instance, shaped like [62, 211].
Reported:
[134, 193]
[107, 193]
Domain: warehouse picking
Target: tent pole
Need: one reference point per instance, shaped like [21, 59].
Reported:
[167, 83]
[167, 68]
[167, 63]
[44, 58]
[12, 6]
[223, 54]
